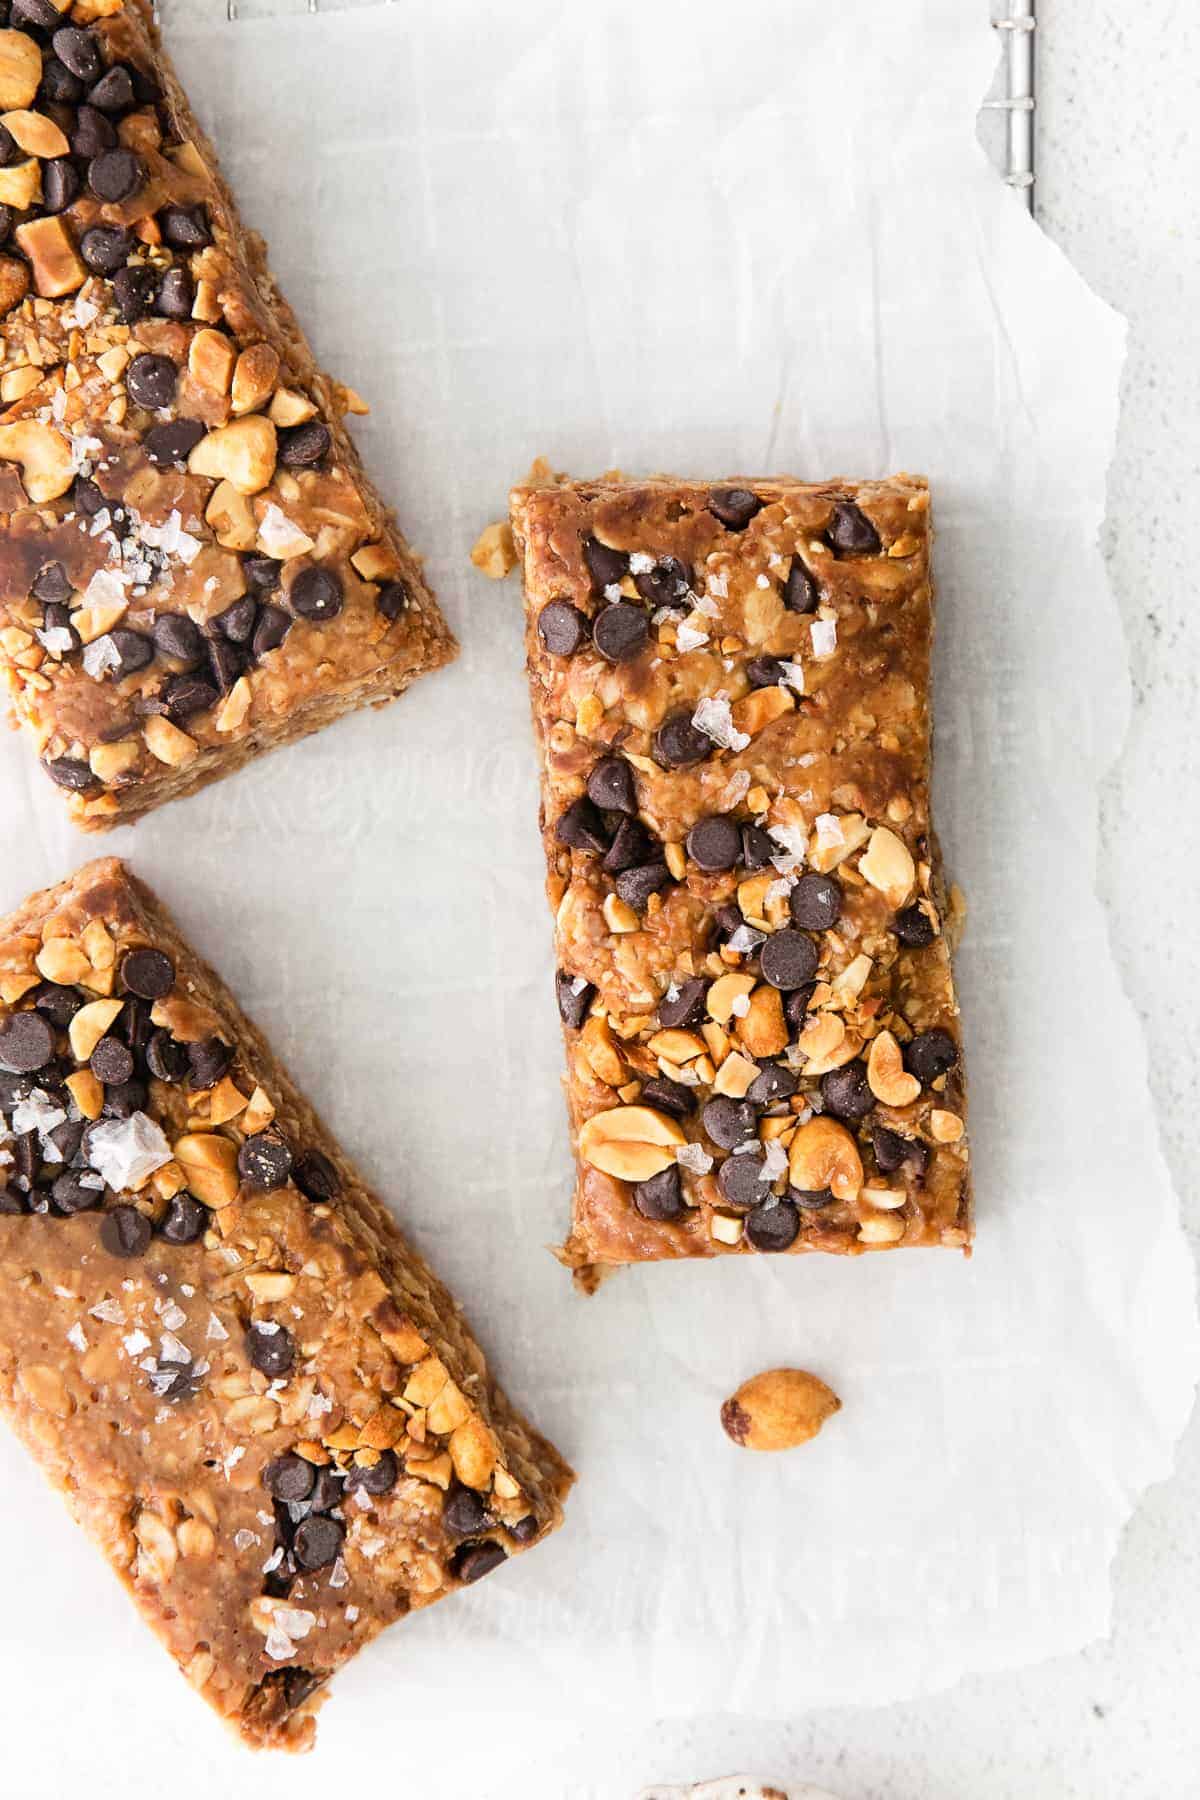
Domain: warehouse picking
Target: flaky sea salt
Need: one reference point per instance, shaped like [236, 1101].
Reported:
[58, 640]
[823, 633]
[108, 1311]
[694, 1158]
[170, 1350]
[126, 1152]
[688, 638]
[106, 588]
[640, 563]
[744, 940]
[339, 1575]
[215, 1332]
[245, 1540]
[775, 1160]
[135, 1343]
[793, 675]
[278, 1646]
[77, 1336]
[279, 537]
[294, 1620]
[714, 717]
[829, 831]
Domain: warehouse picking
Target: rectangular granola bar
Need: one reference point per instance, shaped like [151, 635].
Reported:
[730, 699]
[257, 1399]
[194, 568]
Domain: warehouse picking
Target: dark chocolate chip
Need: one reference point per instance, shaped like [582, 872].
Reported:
[391, 600]
[669, 1096]
[729, 1122]
[106, 248]
[525, 1530]
[50, 585]
[788, 960]
[892, 1150]
[668, 583]
[774, 1081]
[847, 1092]
[134, 650]
[10, 150]
[379, 1477]
[67, 1139]
[166, 1059]
[660, 1196]
[811, 1200]
[765, 671]
[207, 1061]
[26, 1043]
[758, 847]
[58, 1004]
[60, 184]
[816, 902]
[6, 223]
[632, 844]
[678, 743]
[111, 1061]
[562, 628]
[12, 1201]
[930, 1054]
[115, 175]
[471, 1562]
[59, 87]
[178, 637]
[237, 622]
[262, 573]
[316, 594]
[176, 295]
[172, 443]
[715, 843]
[79, 51]
[113, 93]
[70, 772]
[148, 973]
[40, 14]
[264, 1160]
[123, 1098]
[610, 785]
[316, 1177]
[185, 227]
[914, 927]
[226, 662]
[133, 290]
[73, 1192]
[851, 533]
[184, 695]
[125, 1232]
[773, 1225]
[795, 1007]
[289, 1478]
[738, 1180]
[605, 565]
[686, 1007]
[328, 1489]
[800, 591]
[304, 445]
[91, 134]
[150, 381]
[734, 507]
[619, 632]
[580, 827]
[185, 1220]
[463, 1512]
[273, 626]
[86, 497]
[271, 1348]
[318, 1541]
[572, 1006]
[299, 1685]
[635, 886]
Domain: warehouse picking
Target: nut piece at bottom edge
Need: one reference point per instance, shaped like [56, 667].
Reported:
[778, 1409]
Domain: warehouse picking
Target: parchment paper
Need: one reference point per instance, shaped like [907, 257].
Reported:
[705, 239]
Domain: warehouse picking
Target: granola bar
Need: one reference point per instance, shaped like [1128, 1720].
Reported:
[193, 567]
[730, 699]
[257, 1399]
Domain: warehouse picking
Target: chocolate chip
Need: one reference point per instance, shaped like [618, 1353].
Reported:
[661, 1196]
[113, 93]
[471, 1562]
[71, 1193]
[289, 1478]
[237, 622]
[271, 1349]
[635, 886]
[58, 1004]
[92, 134]
[6, 223]
[318, 1542]
[605, 565]
[176, 295]
[562, 628]
[70, 772]
[264, 1160]
[86, 497]
[125, 1232]
[111, 1061]
[930, 1054]
[185, 1220]
[134, 651]
[67, 1139]
[773, 1225]
[207, 1061]
[316, 1177]
[150, 381]
[463, 1512]
[631, 845]
[262, 573]
[668, 583]
[758, 847]
[851, 533]
[580, 827]
[847, 1092]
[525, 1530]
[678, 743]
[304, 445]
[715, 843]
[668, 1096]
[226, 662]
[26, 1043]
[184, 695]
[133, 290]
[176, 1383]
[106, 248]
[12, 1201]
[610, 785]
[59, 87]
[729, 1122]
[166, 1059]
[316, 593]
[185, 227]
[328, 1489]
[914, 927]
[379, 1477]
[79, 51]
[572, 1006]
[738, 1179]
[391, 600]
[765, 671]
[172, 443]
[60, 184]
[178, 637]
[299, 1685]
[795, 1007]
[800, 591]
[892, 1150]
[123, 1098]
[734, 507]
[774, 1081]
[10, 150]
[788, 960]
[273, 626]
[115, 175]
[619, 632]
[812, 1200]
[686, 1007]
[816, 902]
